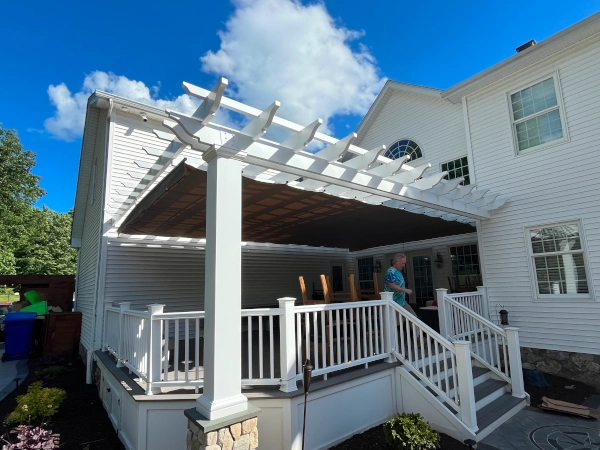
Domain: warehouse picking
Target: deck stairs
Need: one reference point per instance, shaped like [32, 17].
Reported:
[493, 399]
[432, 375]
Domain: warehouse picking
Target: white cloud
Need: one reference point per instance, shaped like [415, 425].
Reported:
[270, 50]
[283, 50]
[68, 120]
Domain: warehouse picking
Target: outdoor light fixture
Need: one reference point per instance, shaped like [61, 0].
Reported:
[377, 266]
[306, 376]
[503, 317]
[439, 260]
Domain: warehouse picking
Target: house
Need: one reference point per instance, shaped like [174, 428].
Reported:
[164, 200]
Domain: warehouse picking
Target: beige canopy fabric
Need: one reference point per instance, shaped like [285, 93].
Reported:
[276, 213]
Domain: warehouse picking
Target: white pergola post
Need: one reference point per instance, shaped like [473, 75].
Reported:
[222, 393]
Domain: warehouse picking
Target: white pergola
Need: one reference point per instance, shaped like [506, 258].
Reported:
[229, 154]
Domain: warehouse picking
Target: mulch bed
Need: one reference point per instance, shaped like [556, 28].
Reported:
[375, 439]
[81, 422]
[557, 390]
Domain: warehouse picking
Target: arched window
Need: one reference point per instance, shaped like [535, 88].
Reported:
[404, 147]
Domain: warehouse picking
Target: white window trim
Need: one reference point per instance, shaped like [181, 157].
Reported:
[532, 273]
[454, 159]
[561, 112]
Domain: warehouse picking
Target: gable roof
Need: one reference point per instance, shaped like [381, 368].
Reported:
[387, 91]
[573, 35]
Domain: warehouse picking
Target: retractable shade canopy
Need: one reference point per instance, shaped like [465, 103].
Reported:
[277, 213]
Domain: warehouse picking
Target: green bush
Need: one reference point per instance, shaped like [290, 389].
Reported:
[54, 371]
[39, 402]
[410, 432]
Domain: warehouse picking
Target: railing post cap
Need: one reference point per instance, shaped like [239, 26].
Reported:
[511, 329]
[286, 300]
[155, 305]
[441, 289]
[461, 343]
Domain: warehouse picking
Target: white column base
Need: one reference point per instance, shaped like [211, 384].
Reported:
[212, 409]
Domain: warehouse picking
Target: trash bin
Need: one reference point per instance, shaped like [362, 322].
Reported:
[18, 335]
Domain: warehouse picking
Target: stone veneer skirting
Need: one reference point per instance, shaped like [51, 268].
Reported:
[581, 367]
[237, 432]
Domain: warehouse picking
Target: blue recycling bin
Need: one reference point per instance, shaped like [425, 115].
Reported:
[18, 333]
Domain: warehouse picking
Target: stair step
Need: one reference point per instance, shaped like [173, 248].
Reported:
[487, 388]
[496, 409]
[477, 372]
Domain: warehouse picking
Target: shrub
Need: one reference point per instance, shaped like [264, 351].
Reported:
[39, 402]
[410, 432]
[33, 439]
[54, 371]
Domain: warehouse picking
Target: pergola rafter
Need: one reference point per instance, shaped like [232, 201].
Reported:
[368, 176]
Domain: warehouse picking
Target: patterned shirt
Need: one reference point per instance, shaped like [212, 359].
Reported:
[394, 276]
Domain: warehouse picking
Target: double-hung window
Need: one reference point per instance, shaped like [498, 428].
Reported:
[558, 261]
[536, 115]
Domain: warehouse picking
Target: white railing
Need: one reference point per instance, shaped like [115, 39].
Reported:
[428, 355]
[493, 347]
[164, 349]
[264, 370]
[338, 336]
[475, 301]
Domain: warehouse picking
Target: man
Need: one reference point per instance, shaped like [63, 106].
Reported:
[394, 282]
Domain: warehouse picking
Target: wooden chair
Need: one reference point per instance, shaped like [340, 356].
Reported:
[338, 297]
[305, 299]
[370, 294]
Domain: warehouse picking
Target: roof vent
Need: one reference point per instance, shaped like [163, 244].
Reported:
[526, 45]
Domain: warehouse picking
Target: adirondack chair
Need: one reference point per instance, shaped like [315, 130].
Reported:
[370, 294]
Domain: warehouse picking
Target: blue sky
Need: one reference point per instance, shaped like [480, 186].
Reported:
[327, 59]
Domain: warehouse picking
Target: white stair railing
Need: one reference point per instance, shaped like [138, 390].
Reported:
[493, 347]
[475, 301]
[442, 366]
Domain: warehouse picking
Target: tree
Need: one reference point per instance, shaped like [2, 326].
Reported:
[32, 240]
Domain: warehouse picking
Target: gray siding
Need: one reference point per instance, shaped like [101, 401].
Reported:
[552, 185]
[144, 273]
[87, 274]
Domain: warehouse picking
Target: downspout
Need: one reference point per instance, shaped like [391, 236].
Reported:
[90, 354]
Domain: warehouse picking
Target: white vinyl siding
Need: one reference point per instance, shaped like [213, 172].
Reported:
[435, 124]
[536, 114]
[88, 259]
[558, 184]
